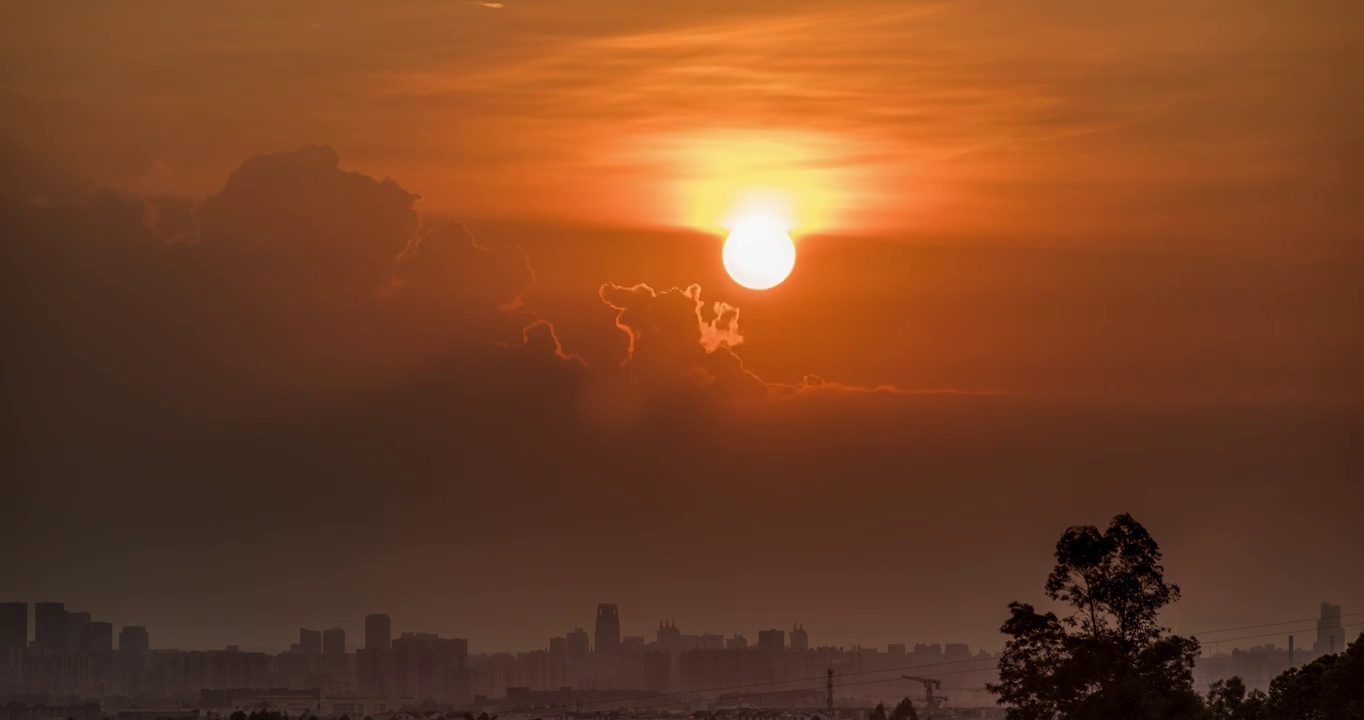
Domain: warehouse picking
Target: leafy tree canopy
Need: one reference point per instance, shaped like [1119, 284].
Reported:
[1106, 658]
[904, 711]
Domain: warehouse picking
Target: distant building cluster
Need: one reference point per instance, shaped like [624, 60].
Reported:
[74, 659]
[1262, 663]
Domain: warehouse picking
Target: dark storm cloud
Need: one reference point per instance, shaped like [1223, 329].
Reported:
[315, 226]
[301, 277]
[448, 260]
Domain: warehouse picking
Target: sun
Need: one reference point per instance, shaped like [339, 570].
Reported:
[759, 253]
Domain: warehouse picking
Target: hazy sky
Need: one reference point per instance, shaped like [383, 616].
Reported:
[1057, 261]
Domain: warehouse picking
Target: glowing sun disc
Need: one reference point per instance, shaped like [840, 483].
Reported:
[759, 255]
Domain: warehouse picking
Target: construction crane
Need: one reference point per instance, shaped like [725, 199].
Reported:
[931, 701]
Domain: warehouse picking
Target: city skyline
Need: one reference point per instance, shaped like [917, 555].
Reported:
[396, 355]
[701, 670]
[1332, 623]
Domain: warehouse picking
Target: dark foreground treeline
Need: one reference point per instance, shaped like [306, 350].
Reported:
[1329, 688]
[1109, 659]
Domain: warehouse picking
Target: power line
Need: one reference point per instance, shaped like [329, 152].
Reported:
[1281, 633]
[1254, 627]
[900, 668]
[768, 693]
[797, 680]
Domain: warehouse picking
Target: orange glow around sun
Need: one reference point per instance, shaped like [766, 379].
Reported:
[718, 179]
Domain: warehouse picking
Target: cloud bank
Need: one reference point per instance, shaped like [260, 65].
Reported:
[293, 383]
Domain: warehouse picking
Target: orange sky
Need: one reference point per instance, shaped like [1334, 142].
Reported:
[1057, 260]
[1220, 123]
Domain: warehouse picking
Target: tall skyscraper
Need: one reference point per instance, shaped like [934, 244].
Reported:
[13, 632]
[800, 640]
[1330, 633]
[378, 632]
[334, 642]
[608, 629]
[49, 626]
[134, 640]
[771, 640]
[97, 637]
[309, 641]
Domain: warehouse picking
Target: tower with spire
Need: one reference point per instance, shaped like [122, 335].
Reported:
[668, 636]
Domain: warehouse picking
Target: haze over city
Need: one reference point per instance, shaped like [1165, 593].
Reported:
[739, 315]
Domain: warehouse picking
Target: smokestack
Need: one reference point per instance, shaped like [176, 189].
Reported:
[1291, 664]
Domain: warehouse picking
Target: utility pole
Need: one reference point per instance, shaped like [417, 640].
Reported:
[830, 699]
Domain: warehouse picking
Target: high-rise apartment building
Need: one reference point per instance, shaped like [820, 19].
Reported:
[76, 623]
[309, 641]
[771, 640]
[49, 626]
[1330, 633]
[97, 637]
[578, 645]
[134, 640]
[800, 640]
[378, 632]
[334, 641]
[13, 633]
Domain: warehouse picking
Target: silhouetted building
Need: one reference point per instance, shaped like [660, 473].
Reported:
[49, 626]
[608, 629]
[374, 672]
[578, 645]
[668, 636]
[378, 632]
[800, 640]
[334, 641]
[13, 632]
[1330, 633]
[771, 640]
[97, 637]
[738, 642]
[956, 652]
[309, 641]
[134, 640]
[895, 649]
[75, 629]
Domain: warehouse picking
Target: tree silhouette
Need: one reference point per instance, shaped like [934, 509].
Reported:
[1228, 700]
[879, 713]
[1108, 659]
[904, 711]
[1328, 688]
